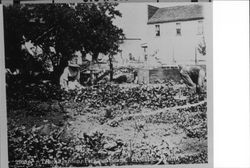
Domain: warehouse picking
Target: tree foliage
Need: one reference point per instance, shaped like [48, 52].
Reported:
[67, 28]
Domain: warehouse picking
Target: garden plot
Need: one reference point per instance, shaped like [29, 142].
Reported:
[109, 125]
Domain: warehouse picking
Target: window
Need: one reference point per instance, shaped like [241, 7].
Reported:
[200, 27]
[178, 29]
[157, 30]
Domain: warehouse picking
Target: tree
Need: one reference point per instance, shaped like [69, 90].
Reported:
[102, 36]
[66, 28]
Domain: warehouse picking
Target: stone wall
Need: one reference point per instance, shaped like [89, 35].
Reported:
[164, 73]
[159, 74]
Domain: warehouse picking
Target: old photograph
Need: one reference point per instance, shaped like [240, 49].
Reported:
[108, 84]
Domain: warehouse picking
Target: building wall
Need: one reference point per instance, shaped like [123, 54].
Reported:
[164, 73]
[127, 47]
[172, 47]
[158, 75]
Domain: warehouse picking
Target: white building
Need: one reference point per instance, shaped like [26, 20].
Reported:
[130, 52]
[174, 33]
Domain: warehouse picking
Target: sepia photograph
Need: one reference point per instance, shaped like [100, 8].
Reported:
[108, 84]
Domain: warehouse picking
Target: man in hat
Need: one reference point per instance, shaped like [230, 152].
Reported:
[70, 77]
[193, 76]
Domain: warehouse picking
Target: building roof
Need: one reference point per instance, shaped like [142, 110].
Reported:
[175, 13]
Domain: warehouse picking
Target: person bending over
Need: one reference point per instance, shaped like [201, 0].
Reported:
[193, 76]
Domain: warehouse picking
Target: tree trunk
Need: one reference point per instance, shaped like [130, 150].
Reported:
[58, 70]
[95, 57]
[111, 67]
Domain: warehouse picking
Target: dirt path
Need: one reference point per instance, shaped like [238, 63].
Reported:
[150, 112]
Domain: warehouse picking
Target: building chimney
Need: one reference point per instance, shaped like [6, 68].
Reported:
[151, 11]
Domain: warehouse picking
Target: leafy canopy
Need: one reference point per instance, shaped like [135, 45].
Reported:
[65, 27]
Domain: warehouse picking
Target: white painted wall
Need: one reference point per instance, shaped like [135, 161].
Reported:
[171, 46]
[130, 46]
